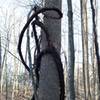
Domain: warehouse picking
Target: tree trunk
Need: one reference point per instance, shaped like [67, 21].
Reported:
[95, 37]
[15, 70]
[49, 79]
[0, 58]
[71, 55]
[4, 68]
[84, 25]
[84, 80]
[78, 86]
[94, 71]
[6, 78]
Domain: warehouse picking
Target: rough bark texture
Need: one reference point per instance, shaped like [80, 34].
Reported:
[71, 55]
[95, 37]
[81, 8]
[49, 79]
[84, 26]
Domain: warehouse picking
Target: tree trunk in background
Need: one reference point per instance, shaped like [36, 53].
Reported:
[49, 79]
[15, 68]
[71, 55]
[6, 72]
[84, 80]
[4, 68]
[84, 26]
[94, 71]
[78, 84]
[97, 84]
[95, 39]
[0, 59]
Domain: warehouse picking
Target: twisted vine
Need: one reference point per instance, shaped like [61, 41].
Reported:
[49, 50]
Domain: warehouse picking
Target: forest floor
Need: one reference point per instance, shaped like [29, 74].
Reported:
[17, 96]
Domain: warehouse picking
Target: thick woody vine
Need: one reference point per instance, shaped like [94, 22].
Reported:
[38, 54]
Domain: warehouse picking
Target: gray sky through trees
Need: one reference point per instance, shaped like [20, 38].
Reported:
[10, 4]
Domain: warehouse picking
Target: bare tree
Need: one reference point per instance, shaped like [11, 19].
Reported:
[71, 55]
[84, 28]
[95, 38]
[0, 58]
[84, 80]
[47, 63]
[49, 78]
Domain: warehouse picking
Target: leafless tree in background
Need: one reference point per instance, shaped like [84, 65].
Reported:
[71, 53]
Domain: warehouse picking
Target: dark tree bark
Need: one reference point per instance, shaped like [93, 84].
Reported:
[95, 37]
[49, 79]
[71, 55]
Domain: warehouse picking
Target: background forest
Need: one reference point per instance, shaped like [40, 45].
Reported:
[76, 38]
